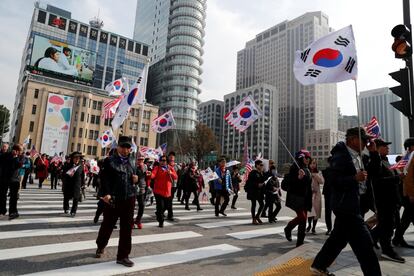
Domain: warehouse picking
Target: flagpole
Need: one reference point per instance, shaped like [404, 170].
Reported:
[140, 123]
[359, 117]
[178, 141]
[293, 158]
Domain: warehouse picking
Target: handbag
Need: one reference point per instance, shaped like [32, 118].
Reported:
[372, 221]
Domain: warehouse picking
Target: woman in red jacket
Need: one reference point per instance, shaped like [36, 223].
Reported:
[42, 165]
[163, 176]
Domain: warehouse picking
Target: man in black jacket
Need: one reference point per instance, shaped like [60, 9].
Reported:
[118, 188]
[348, 182]
[385, 186]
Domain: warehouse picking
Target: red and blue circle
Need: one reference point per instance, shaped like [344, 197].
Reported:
[117, 85]
[132, 95]
[245, 112]
[327, 58]
[105, 138]
[163, 122]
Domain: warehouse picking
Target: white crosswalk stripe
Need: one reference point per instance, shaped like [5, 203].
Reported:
[217, 224]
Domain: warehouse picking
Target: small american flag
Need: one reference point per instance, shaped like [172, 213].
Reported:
[373, 128]
[110, 108]
[33, 151]
[248, 168]
[402, 163]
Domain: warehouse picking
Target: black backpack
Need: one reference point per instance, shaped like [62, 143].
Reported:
[285, 182]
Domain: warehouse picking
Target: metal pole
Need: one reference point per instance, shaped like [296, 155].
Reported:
[2, 125]
[140, 123]
[409, 63]
[358, 116]
[293, 158]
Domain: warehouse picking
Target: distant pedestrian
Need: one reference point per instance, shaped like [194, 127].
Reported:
[273, 195]
[142, 173]
[317, 181]
[255, 191]
[42, 166]
[74, 181]
[235, 181]
[222, 186]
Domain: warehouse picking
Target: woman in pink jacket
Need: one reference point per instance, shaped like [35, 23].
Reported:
[163, 176]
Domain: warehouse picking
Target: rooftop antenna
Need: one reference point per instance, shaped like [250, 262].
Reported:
[96, 22]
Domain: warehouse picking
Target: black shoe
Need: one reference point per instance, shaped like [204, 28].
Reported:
[402, 243]
[13, 216]
[313, 231]
[72, 215]
[170, 219]
[187, 208]
[264, 215]
[233, 207]
[320, 272]
[308, 229]
[199, 209]
[96, 219]
[222, 212]
[115, 227]
[66, 211]
[288, 234]
[217, 214]
[328, 232]
[99, 253]
[392, 256]
[161, 224]
[125, 262]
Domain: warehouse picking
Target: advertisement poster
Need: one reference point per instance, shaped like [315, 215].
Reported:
[57, 124]
[61, 60]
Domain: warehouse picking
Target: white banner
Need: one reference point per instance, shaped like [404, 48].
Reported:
[57, 124]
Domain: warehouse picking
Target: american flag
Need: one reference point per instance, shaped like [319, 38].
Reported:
[248, 168]
[110, 108]
[373, 128]
[55, 158]
[33, 151]
[402, 163]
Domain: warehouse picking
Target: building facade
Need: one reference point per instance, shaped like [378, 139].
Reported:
[269, 58]
[174, 29]
[84, 59]
[345, 122]
[393, 124]
[261, 136]
[320, 143]
[211, 113]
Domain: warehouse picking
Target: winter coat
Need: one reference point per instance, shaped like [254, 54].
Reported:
[299, 193]
[163, 180]
[116, 178]
[42, 168]
[73, 184]
[142, 183]
[316, 211]
[408, 182]
[10, 167]
[190, 183]
[256, 188]
[225, 180]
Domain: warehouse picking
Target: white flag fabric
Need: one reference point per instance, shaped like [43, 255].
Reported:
[244, 114]
[117, 87]
[209, 175]
[26, 141]
[94, 167]
[163, 122]
[107, 138]
[134, 96]
[330, 59]
[134, 147]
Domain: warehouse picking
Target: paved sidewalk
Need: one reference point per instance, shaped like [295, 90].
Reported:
[298, 261]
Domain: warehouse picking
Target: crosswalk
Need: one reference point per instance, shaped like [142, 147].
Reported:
[44, 232]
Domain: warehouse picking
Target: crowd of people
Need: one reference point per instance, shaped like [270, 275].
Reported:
[358, 179]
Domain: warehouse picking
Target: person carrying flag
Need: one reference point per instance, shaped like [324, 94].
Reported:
[222, 186]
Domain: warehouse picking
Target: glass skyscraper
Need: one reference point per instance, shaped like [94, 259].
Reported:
[174, 29]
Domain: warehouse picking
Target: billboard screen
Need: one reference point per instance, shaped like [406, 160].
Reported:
[57, 124]
[61, 60]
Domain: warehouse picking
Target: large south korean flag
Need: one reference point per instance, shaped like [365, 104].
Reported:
[330, 59]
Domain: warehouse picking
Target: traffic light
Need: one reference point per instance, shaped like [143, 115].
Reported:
[402, 91]
[402, 41]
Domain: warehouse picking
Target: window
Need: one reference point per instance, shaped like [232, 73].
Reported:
[94, 150]
[74, 132]
[96, 134]
[36, 94]
[41, 18]
[78, 147]
[94, 104]
[143, 141]
[92, 119]
[91, 134]
[80, 132]
[97, 120]
[84, 102]
[99, 106]
[31, 127]
[82, 118]
[34, 109]
[89, 152]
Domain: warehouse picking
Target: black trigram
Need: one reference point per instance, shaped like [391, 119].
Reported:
[304, 55]
[248, 103]
[243, 123]
[139, 80]
[313, 73]
[235, 115]
[350, 65]
[342, 41]
[255, 112]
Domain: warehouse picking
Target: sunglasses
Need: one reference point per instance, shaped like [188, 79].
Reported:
[163, 160]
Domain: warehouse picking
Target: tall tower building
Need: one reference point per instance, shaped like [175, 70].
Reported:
[174, 29]
[393, 125]
[60, 92]
[211, 113]
[269, 58]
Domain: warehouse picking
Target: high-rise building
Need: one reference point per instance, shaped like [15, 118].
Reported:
[269, 58]
[211, 113]
[393, 125]
[262, 135]
[60, 97]
[346, 121]
[320, 143]
[174, 29]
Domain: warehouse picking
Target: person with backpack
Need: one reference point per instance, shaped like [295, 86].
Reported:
[222, 186]
[255, 190]
[299, 195]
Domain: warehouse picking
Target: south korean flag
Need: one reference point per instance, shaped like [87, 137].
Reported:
[330, 59]
[243, 115]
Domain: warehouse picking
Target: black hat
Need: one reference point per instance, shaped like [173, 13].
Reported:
[76, 154]
[379, 142]
[409, 142]
[125, 142]
[356, 131]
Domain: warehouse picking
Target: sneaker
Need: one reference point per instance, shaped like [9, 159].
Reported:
[288, 234]
[125, 262]
[320, 272]
[13, 216]
[224, 214]
[234, 207]
[139, 225]
[392, 256]
[99, 253]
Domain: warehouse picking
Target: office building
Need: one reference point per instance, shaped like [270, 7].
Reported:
[174, 29]
[211, 113]
[269, 58]
[393, 124]
[262, 134]
[65, 66]
[320, 143]
[346, 121]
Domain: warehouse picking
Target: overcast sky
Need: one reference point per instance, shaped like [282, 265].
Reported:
[230, 23]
